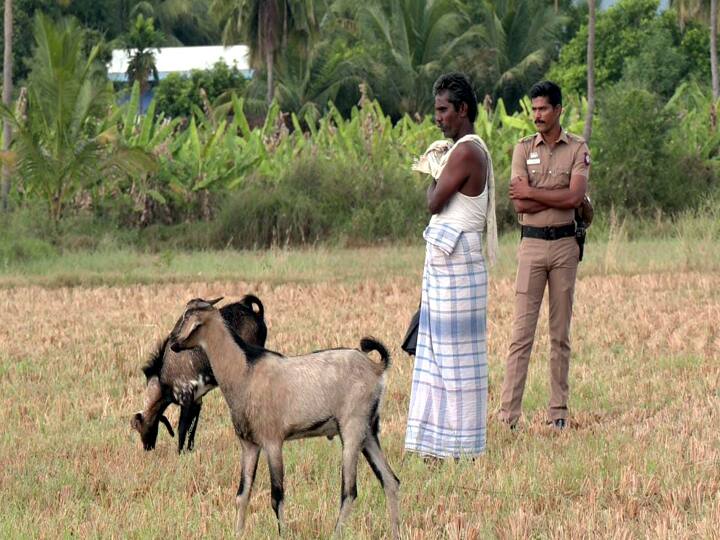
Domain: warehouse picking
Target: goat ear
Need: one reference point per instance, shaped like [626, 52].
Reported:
[136, 421]
[166, 423]
[213, 302]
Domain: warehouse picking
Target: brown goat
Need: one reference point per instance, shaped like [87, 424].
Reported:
[184, 378]
[273, 398]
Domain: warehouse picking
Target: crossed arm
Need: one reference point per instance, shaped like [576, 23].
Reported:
[463, 163]
[530, 200]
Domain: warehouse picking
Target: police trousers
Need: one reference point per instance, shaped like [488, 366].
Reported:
[541, 262]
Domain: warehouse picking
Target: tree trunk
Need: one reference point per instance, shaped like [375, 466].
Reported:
[268, 23]
[7, 97]
[269, 53]
[590, 71]
[714, 61]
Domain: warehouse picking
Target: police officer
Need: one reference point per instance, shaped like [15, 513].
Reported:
[548, 181]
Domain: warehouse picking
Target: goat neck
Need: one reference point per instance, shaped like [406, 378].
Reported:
[227, 359]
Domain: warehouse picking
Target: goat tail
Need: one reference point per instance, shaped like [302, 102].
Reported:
[251, 300]
[369, 343]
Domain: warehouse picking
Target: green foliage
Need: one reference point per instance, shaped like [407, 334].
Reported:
[320, 200]
[94, 15]
[58, 149]
[25, 238]
[636, 43]
[182, 22]
[311, 170]
[658, 64]
[180, 95]
[515, 41]
[694, 146]
[410, 43]
[138, 199]
[331, 72]
[694, 49]
[350, 180]
[266, 27]
[140, 41]
[629, 157]
[639, 159]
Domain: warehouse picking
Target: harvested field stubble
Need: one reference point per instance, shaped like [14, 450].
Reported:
[641, 457]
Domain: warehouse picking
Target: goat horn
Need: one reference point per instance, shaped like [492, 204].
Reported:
[213, 302]
[166, 423]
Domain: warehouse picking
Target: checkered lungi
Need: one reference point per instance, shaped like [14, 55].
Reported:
[448, 401]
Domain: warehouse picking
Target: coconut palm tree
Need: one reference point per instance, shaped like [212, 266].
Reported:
[329, 73]
[522, 37]
[6, 97]
[57, 150]
[265, 26]
[182, 22]
[411, 43]
[140, 42]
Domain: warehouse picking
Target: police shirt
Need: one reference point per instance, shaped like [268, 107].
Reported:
[550, 169]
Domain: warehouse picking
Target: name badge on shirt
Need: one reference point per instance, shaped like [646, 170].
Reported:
[533, 160]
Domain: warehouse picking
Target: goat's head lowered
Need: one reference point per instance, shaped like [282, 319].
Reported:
[185, 334]
[147, 421]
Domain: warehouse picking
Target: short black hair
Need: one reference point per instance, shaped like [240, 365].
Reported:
[549, 90]
[459, 90]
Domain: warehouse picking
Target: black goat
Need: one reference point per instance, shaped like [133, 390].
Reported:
[184, 378]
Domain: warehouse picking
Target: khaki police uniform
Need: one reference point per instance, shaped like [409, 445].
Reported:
[544, 261]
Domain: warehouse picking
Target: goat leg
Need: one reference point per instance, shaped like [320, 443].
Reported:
[248, 467]
[277, 492]
[390, 483]
[196, 408]
[352, 442]
[186, 417]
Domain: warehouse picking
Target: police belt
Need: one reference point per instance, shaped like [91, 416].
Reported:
[548, 233]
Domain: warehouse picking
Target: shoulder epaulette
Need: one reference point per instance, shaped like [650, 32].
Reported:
[527, 138]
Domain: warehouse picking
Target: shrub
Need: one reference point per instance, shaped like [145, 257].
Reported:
[649, 155]
[14, 250]
[631, 165]
[178, 95]
[321, 200]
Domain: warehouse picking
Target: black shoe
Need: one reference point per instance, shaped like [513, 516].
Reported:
[559, 423]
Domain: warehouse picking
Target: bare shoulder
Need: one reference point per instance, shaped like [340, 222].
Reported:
[469, 152]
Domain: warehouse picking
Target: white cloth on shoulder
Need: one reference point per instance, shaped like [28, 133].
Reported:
[433, 161]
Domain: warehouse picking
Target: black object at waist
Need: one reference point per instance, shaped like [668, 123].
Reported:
[548, 233]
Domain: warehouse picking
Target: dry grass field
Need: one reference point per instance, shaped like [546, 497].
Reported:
[641, 457]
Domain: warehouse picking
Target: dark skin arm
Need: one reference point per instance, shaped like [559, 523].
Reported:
[465, 172]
